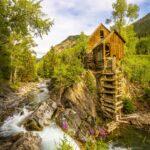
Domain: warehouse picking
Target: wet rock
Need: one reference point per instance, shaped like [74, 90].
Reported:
[27, 141]
[41, 116]
[33, 125]
[21, 141]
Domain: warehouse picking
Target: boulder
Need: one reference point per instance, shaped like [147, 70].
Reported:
[41, 116]
[27, 141]
[21, 141]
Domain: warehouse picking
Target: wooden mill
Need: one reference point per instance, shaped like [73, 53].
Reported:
[106, 48]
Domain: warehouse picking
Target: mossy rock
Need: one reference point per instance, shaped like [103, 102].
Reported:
[33, 125]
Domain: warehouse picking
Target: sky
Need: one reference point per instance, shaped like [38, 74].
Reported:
[71, 17]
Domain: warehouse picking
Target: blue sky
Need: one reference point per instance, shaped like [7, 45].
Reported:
[71, 17]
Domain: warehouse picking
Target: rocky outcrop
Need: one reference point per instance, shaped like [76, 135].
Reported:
[78, 97]
[78, 111]
[41, 116]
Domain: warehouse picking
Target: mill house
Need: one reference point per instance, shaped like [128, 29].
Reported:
[105, 50]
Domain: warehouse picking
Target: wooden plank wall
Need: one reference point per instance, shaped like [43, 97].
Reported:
[117, 46]
[95, 37]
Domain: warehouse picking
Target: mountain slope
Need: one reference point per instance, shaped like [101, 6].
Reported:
[142, 26]
[67, 43]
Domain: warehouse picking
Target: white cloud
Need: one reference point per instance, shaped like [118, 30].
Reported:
[71, 17]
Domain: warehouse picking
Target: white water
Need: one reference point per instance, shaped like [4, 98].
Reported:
[51, 136]
[112, 147]
[43, 95]
[11, 124]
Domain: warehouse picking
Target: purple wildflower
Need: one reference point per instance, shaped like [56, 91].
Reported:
[102, 132]
[83, 139]
[92, 132]
[65, 125]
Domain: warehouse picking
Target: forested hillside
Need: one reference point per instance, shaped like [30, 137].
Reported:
[142, 26]
[64, 61]
[69, 42]
[142, 29]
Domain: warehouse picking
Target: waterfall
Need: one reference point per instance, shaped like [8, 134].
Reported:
[11, 124]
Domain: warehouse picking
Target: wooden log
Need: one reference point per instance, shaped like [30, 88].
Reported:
[111, 106]
[109, 86]
[108, 109]
[109, 92]
[108, 80]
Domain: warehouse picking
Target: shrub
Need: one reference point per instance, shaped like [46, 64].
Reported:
[143, 46]
[96, 145]
[15, 86]
[101, 145]
[128, 106]
[147, 94]
[90, 82]
[65, 145]
[136, 68]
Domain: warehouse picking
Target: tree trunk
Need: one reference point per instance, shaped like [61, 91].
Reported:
[15, 75]
[11, 74]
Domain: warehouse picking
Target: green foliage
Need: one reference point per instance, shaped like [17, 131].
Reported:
[96, 145]
[90, 82]
[136, 68]
[22, 59]
[20, 20]
[132, 12]
[129, 35]
[65, 145]
[128, 106]
[101, 145]
[14, 86]
[147, 94]
[123, 13]
[65, 67]
[45, 67]
[143, 46]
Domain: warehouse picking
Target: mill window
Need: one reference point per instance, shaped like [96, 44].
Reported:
[101, 34]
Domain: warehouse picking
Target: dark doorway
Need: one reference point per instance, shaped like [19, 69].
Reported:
[107, 50]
